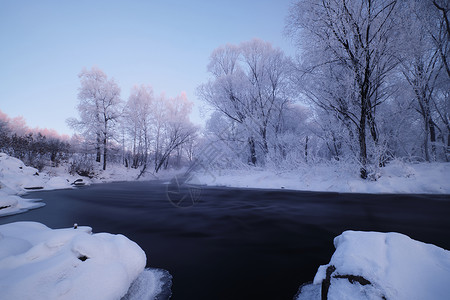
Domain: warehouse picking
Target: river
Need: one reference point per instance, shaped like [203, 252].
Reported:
[239, 243]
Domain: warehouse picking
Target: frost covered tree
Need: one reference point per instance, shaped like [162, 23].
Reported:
[348, 51]
[249, 85]
[137, 119]
[422, 56]
[99, 109]
[172, 128]
[156, 129]
[441, 37]
[422, 64]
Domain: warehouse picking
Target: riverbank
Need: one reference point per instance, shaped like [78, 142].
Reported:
[396, 178]
[17, 179]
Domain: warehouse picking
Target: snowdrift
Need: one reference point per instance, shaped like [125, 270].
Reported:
[16, 179]
[37, 262]
[373, 265]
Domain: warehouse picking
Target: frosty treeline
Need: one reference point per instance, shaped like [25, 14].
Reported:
[35, 147]
[370, 83]
[143, 130]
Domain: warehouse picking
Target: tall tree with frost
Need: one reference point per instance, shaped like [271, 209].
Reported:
[99, 109]
[172, 127]
[348, 49]
[423, 63]
[441, 37]
[250, 87]
[138, 121]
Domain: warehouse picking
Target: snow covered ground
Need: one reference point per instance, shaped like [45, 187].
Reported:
[389, 265]
[396, 177]
[116, 172]
[12, 204]
[37, 262]
[17, 179]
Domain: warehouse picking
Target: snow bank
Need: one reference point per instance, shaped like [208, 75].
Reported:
[397, 177]
[16, 179]
[37, 262]
[373, 265]
[117, 172]
[11, 204]
[15, 176]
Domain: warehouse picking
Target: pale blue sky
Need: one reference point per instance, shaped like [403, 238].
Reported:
[45, 44]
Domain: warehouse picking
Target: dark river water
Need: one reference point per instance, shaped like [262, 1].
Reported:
[239, 243]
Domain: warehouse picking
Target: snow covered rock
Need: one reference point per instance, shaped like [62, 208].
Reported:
[37, 262]
[373, 265]
[78, 182]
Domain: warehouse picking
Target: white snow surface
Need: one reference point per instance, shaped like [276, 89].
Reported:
[16, 179]
[12, 204]
[397, 266]
[37, 262]
[396, 177]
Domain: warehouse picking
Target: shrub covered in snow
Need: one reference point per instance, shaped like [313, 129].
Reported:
[82, 165]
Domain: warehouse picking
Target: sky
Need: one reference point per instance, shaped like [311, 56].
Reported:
[166, 44]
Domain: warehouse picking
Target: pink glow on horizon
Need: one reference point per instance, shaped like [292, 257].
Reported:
[19, 126]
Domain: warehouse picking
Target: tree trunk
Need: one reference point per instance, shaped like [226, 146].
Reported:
[97, 148]
[373, 127]
[166, 163]
[251, 143]
[264, 136]
[134, 162]
[425, 139]
[306, 149]
[160, 164]
[447, 150]
[362, 145]
[432, 138]
[145, 147]
[105, 150]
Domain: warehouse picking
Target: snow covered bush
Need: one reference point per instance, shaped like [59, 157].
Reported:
[82, 165]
